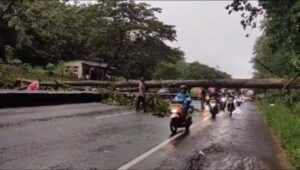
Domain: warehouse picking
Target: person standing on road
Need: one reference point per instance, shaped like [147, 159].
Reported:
[141, 96]
[203, 95]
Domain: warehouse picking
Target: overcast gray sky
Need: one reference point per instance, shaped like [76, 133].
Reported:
[206, 33]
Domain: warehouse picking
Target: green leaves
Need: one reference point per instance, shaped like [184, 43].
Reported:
[183, 70]
[279, 47]
[124, 34]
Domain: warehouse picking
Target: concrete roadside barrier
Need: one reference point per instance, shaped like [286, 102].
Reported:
[10, 99]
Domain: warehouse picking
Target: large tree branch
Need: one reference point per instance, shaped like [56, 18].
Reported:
[264, 66]
[229, 83]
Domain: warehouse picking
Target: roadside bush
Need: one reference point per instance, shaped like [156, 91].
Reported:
[14, 61]
[155, 105]
[117, 98]
[158, 106]
[50, 68]
[161, 107]
[27, 66]
[289, 97]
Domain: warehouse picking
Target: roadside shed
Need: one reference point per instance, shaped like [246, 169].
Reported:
[88, 70]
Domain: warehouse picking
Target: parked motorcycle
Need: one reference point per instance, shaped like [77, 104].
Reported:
[230, 104]
[178, 117]
[213, 107]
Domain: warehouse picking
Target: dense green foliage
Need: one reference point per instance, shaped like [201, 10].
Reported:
[279, 47]
[277, 51]
[285, 123]
[10, 73]
[155, 105]
[116, 98]
[277, 61]
[116, 32]
[188, 71]
[123, 33]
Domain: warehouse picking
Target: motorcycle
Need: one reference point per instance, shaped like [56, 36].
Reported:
[239, 101]
[213, 107]
[230, 104]
[178, 118]
[223, 103]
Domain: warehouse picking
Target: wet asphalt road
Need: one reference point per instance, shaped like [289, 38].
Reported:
[94, 135]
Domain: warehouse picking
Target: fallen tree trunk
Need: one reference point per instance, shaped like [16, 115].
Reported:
[129, 89]
[226, 83]
[68, 86]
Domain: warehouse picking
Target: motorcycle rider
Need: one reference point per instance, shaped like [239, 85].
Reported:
[231, 94]
[184, 97]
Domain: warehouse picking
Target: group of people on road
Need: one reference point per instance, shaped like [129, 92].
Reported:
[216, 93]
[182, 95]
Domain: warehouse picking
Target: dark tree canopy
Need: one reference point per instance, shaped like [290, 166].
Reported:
[279, 47]
[123, 33]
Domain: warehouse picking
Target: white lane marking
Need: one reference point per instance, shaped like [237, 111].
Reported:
[156, 148]
[114, 115]
[204, 120]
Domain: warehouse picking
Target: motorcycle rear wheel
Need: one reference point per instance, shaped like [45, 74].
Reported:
[173, 125]
[188, 124]
[213, 114]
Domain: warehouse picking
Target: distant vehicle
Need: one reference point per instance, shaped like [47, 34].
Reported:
[222, 102]
[230, 104]
[249, 93]
[213, 107]
[196, 93]
[249, 96]
[163, 90]
[239, 101]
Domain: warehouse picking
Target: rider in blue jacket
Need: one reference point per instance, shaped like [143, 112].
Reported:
[184, 97]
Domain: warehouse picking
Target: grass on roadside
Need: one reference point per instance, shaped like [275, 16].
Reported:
[285, 123]
[10, 73]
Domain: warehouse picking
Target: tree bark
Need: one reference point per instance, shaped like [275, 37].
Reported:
[226, 83]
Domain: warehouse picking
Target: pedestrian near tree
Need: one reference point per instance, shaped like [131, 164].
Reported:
[141, 96]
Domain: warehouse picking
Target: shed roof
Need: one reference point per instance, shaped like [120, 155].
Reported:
[91, 63]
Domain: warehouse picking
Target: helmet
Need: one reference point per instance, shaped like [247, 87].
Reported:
[184, 87]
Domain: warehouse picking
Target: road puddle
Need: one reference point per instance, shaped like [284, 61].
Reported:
[217, 157]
